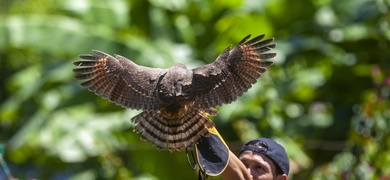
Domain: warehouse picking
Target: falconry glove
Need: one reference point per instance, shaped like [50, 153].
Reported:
[212, 154]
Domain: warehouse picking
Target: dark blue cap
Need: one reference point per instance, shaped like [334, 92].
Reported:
[270, 148]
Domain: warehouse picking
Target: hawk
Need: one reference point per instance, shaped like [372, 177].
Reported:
[174, 101]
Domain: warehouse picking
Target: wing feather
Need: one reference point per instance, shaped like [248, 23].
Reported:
[232, 73]
[120, 80]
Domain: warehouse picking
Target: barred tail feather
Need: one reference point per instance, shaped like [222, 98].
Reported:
[174, 134]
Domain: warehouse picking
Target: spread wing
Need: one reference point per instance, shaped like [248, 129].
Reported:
[232, 73]
[120, 80]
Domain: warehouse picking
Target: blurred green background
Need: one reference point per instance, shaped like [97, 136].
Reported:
[326, 98]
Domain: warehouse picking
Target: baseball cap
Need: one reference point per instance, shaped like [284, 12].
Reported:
[270, 148]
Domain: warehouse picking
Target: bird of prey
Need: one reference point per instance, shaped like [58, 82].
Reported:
[174, 101]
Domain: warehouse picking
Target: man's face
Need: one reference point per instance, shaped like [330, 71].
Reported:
[260, 166]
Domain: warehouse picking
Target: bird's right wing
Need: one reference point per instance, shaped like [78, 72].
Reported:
[232, 73]
[120, 80]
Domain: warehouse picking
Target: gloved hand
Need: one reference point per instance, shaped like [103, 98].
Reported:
[212, 153]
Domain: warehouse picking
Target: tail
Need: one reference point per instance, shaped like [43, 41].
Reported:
[174, 134]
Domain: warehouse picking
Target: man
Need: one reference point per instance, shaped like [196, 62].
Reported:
[259, 159]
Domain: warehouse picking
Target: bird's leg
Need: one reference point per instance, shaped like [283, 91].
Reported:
[173, 111]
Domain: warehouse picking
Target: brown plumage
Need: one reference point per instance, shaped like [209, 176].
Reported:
[173, 100]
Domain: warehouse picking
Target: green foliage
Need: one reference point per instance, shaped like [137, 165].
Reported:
[326, 98]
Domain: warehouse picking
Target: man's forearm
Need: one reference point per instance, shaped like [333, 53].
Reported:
[235, 169]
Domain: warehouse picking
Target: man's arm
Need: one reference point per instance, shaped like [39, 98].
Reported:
[235, 169]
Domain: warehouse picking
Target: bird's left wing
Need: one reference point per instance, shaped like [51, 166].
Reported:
[232, 73]
[120, 80]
